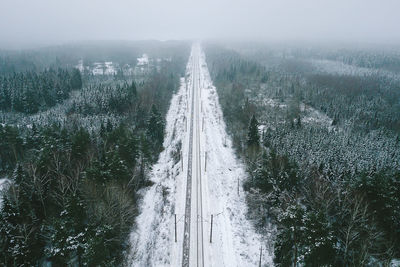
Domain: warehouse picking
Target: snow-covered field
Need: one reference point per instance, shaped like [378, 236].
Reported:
[340, 68]
[235, 242]
[309, 115]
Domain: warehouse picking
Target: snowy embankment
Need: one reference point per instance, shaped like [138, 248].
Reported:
[234, 240]
[153, 239]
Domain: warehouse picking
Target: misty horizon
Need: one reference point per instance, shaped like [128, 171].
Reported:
[40, 23]
[200, 133]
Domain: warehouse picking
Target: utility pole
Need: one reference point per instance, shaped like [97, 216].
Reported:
[260, 256]
[212, 216]
[202, 125]
[176, 240]
[205, 162]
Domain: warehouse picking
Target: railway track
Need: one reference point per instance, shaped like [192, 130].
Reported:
[193, 241]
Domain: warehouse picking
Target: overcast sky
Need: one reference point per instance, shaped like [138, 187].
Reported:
[27, 22]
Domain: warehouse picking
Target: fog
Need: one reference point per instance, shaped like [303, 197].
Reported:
[40, 22]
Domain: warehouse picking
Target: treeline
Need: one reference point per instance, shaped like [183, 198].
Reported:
[72, 199]
[10, 64]
[332, 195]
[387, 60]
[121, 98]
[30, 92]
[108, 98]
[68, 55]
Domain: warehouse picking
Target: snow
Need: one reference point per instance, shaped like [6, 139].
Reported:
[395, 263]
[143, 65]
[235, 242]
[308, 114]
[311, 115]
[340, 68]
[153, 239]
[143, 61]
[80, 66]
[103, 68]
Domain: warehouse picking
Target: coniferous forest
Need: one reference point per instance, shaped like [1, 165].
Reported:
[76, 147]
[318, 130]
[199, 133]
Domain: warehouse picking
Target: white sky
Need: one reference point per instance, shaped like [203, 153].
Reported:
[24, 22]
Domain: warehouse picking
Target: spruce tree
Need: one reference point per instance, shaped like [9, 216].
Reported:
[19, 175]
[80, 144]
[133, 90]
[155, 127]
[288, 247]
[109, 126]
[76, 79]
[253, 137]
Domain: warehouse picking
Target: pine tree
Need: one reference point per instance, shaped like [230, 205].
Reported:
[288, 247]
[19, 175]
[102, 130]
[132, 89]
[298, 121]
[80, 144]
[262, 178]
[117, 166]
[253, 137]
[76, 79]
[320, 242]
[145, 157]
[109, 126]
[155, 127]
[68, 232]
[128, 149]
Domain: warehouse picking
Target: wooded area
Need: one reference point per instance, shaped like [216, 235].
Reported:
[323, 177]
[76, 168]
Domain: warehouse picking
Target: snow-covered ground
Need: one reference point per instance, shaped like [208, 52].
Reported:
[309, 115]
[143, 60]
[235, 242]
[153, 240]
[143, 65]
[340, 68]
[104, 68]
